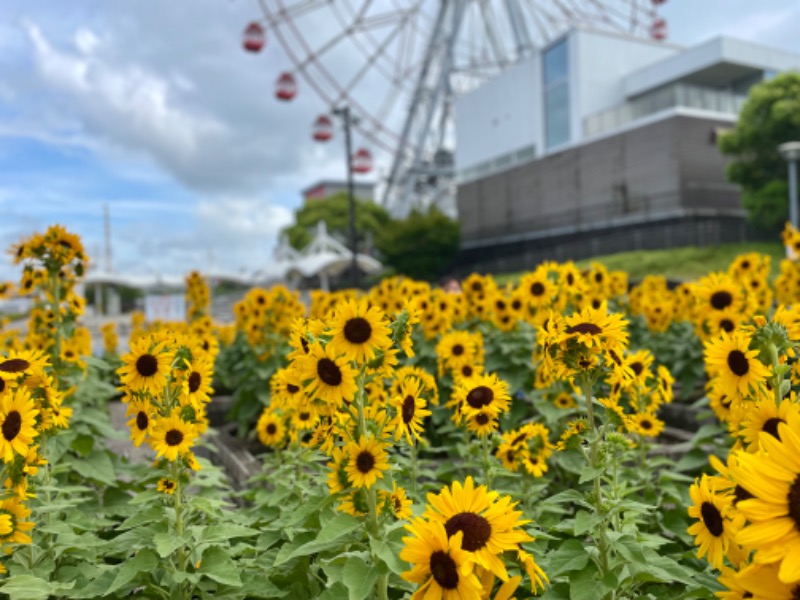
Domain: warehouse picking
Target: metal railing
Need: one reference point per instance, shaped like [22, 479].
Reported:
[672, 96]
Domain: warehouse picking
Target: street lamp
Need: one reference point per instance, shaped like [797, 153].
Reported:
[347, 121]
[790, 151]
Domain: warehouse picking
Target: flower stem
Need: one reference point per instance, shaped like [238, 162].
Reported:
[594, 449]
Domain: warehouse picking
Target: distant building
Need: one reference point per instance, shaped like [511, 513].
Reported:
[326, 188]
[601, 143]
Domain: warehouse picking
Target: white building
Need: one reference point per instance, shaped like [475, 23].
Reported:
[534, 143]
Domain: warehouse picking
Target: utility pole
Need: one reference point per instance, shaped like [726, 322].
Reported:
[790, 151]
[347, 121]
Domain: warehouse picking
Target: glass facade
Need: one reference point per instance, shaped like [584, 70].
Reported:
[556, 95]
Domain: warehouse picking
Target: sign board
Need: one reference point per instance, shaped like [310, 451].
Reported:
[165, 307]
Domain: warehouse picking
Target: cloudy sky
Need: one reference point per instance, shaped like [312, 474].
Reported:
[151, 107]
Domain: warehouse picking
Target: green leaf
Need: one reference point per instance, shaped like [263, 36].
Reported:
[222, 533]
[96, 465]
[28, 587]
[329, 537]
[166, 543]
[570, 556]
[586, 521]
[360, 577]
[145, 560]
[217, 565]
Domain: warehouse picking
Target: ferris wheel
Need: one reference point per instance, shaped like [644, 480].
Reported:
[398, 64]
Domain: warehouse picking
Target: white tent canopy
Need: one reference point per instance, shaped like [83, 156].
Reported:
[324, 257]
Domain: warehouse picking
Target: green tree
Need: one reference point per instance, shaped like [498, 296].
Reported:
[769, 117]
[421, 246]
[370, 219]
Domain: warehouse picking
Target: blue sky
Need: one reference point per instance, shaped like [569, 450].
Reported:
[153, 109]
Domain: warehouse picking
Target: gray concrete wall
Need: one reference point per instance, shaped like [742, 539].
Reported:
[666, 166]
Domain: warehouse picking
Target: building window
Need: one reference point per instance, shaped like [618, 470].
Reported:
[556, 95]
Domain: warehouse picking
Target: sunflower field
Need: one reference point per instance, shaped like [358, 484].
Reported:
[570, 436]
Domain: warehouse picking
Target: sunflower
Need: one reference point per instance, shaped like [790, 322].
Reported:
[538, 289]
[490, 525]
[714, 531]
[644, 423]
[763, 582]
[166, 486]
[410, 407]
[595, 328]
[146, 365]
[565, 400]
[481, 422]
[765, 416]
[24, 362]
[398, 502]
[359, 331]
[367, 462]
[197, 382]
[441, 566]
[18, 528]
[329, 378]
[772, 476]
[718, 292]
[456, 348]
[482, 392]
[17, 423]
[172, 436]
[270, 428]
[535, 464]
[737, 367]
[141, 423]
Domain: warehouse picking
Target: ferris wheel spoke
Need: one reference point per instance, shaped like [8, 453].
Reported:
[366, 67]
[294, 11]
[492, 35]
[518, 26]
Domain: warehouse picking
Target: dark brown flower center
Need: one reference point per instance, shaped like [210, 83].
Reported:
[739, 494]
[482, 419]
[14, 365]
[637, 367]
[537, 289]
[365, 461]
[147, 365]
[174, 437]
[272, 428]
[292, 388]
[480, 396]
[12, 425]
[793, 501]
[329, 372]
[444, 570]
[726, 325]
[721, 300]
[466, 371]
[2, 385]
[476, 529]
[712, 518]
[357, 330]
[588, 328]
[458, 350]
[646, 424]
[194, 382]
[738, 363]
[142, 420]
[409, 407]
[771, 427]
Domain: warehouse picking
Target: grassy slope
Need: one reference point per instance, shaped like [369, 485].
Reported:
[682, 264]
